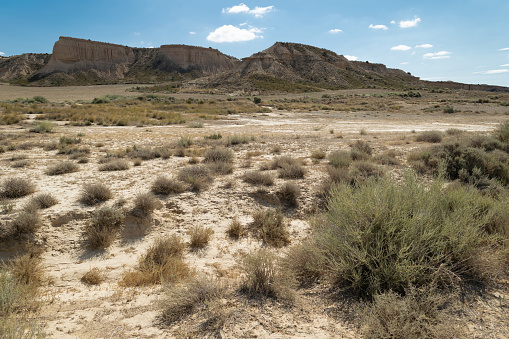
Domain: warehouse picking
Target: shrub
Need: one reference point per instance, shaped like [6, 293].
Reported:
[222, 168]
[502, 132]
[16, 188]
[361, 150]
[144, 205]
[289, 193]
[26, 222]
[235, 229]
[340, 159]
[185, 142]
[161, 263]
[418, 314]
[20, 163]
[380, 236]
[200, 236]
[215, 136]
[62, 167]
[430, 136]
[43, 127]
[270, 226]
[219, 154]
[288, 167]
[449, 109]
[103, 227]
[65, 140]
[362, 170]
[43, 200]
[28, 268]
[92, 194]
[165, 186]
[264, 277]
[318, 154]
[258, 178]
[183, 300]
[198, 176]
[238, 139]
[93, 277]
[114, 165]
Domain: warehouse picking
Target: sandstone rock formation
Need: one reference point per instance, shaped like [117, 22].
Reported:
[19, 66]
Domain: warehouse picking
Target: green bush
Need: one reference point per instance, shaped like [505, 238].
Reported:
[379, 236]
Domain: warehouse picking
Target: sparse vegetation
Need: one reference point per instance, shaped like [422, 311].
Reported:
[94, 276]
[199, 236]
[144, 205]
[43, 200]
[289, 193]
[164, 186]
[102, 229]
[13, 188]
[430, 136]
[258, 178]
[62, 167]
[270, 226]
[114, 165]
[93, 194]
[235, 229]
[197, 176]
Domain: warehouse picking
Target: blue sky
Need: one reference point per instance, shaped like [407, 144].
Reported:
[465, 41]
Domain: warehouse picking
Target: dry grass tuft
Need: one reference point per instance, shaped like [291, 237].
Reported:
[93, 194]
[235, 229]
[162, 262]
[43, 200]
[340, 159]
[26, 222]
[183, 300]
[289, 193]
[114, 165]
[165, 186]
[200, 236]
[144, 205]
[93, 277]
[219, 154]
[270, 226]
[258, 178]
[103, 227]
[197, 176]
[62, 167]
[265, 277]
[28, 268]
[16, 188]
[430, 136]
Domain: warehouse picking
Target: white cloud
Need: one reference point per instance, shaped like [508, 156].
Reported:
[496, 71]
[437, 55]
[409, 23]
[393, 22]
[401, 48]
[137, 33]
[504, 49]
[243, 8]
[192, 33]
[378, 27]
[351, 57]
[404, 63]
[335, 31]
[424, 46]
[229, 33]
[506, 65]
[2, 53]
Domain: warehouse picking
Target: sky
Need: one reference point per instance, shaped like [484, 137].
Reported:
[465, 41]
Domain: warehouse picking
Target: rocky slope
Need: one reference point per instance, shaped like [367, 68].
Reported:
[290, 66]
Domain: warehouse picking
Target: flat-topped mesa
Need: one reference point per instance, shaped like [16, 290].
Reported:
[187, 58]
[72, 55]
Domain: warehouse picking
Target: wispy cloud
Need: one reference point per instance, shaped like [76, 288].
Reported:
[401, 48]
[506, 65]
[351, 57]
[383, 27]
[437, 55]
[243, 8]
[424, 46]
[493, 71]
[230, 33]
[335, 31]
[409, 23]
[404, 63]
[504, 49]
[2, 53]
[192, 33]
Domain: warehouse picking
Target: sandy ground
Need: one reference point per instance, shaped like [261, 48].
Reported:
[76, 310]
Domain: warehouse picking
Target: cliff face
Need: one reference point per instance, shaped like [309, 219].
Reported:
[106, 61]
[188, 58]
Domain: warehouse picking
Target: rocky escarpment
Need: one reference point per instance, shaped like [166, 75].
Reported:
[308, 66]
[20, 66]
[80, 62]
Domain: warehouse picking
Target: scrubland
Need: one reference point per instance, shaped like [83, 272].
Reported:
[364, 213]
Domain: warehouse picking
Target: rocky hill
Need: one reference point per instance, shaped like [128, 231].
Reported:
[80, 62]
[298, 67]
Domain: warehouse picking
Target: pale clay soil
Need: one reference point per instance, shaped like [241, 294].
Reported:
[76, 310]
